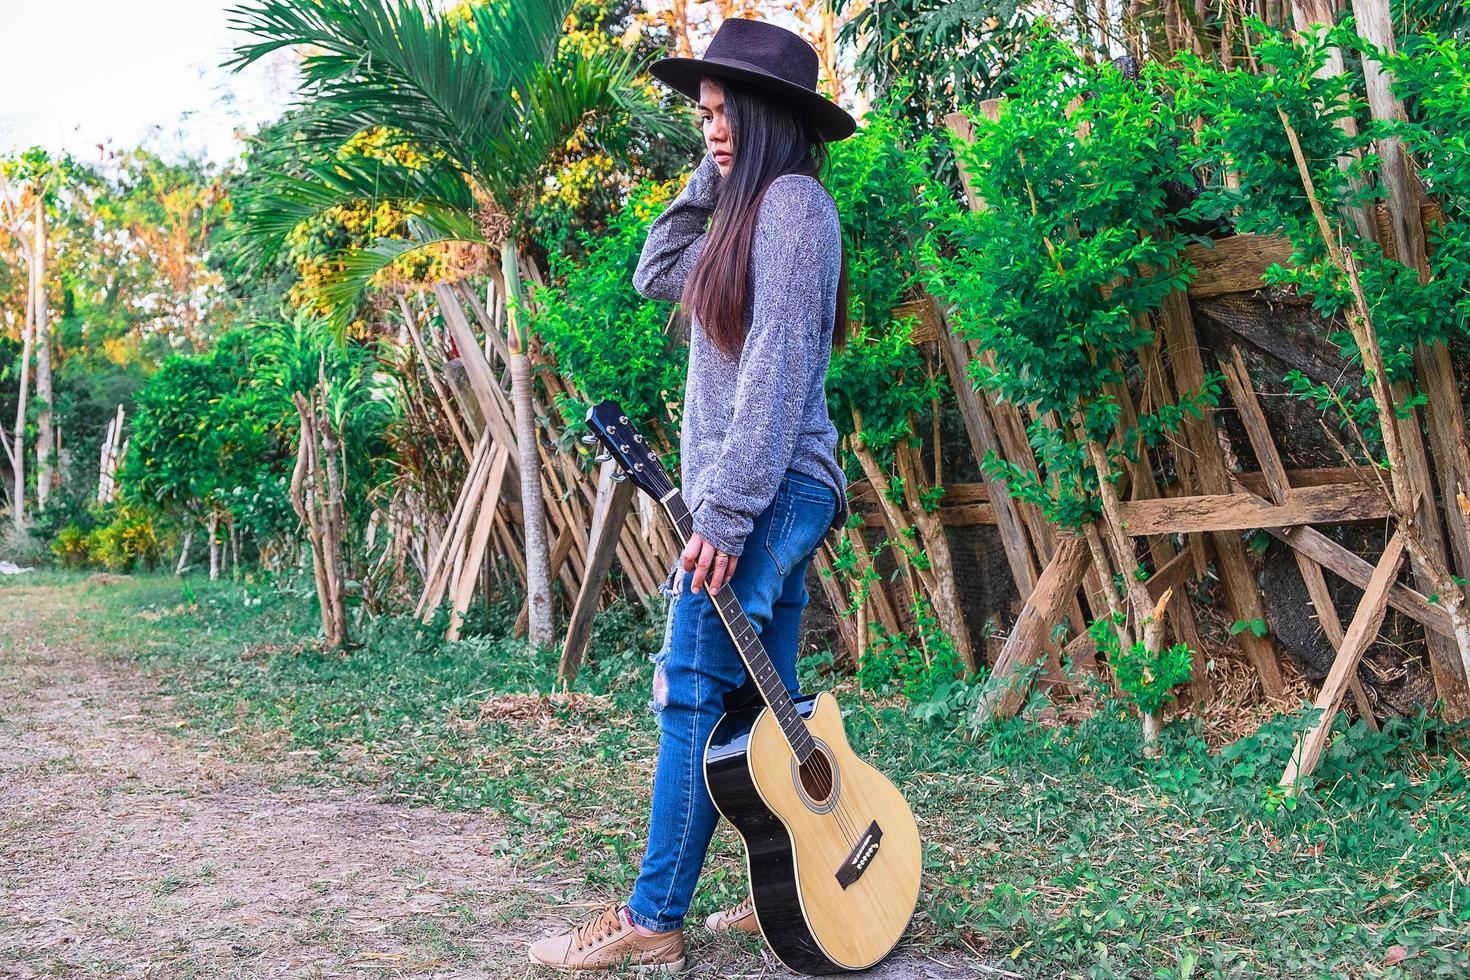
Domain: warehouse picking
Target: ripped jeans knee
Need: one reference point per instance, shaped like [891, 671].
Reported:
[670, 589]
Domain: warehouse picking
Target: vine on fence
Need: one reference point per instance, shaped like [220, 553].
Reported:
[1054, 279]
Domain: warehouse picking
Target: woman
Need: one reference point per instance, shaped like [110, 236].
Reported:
[766, 291]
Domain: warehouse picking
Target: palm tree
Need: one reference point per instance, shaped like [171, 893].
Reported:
[484, 100]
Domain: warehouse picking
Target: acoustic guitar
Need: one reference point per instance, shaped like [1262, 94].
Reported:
[831, 846]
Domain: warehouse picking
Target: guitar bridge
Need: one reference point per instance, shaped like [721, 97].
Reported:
[862, 855]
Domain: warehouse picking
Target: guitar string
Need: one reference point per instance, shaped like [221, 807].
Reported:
[826, 781]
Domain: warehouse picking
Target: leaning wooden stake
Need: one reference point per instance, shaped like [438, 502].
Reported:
[944, 593]
[446, 406]
[1360, 634]
[464, 588]
[316, 495]
[1277, 485]
[614, 498]
[436, 580]
[1005, 691]
[1417, 516]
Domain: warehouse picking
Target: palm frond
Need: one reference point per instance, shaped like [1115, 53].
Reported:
[573, 96]
[399, 63]
[270, 207]
[341, 290]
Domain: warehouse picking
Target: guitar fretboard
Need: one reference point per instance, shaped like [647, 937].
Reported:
[748, 643]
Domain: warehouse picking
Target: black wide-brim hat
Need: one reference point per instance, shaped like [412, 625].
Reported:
[771, 57]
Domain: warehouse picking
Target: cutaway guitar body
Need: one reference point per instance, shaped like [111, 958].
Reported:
[835, 875]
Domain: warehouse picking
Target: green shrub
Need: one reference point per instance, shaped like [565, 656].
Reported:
[72, 546]
[606, 337]
[131, 540]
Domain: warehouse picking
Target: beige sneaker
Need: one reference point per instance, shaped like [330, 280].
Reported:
[607, 941]
[741, 918]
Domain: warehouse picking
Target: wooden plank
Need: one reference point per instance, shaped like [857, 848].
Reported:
[614, 498]
[464, 588]
[1235, 264]
[1243, 393]
[965, 516]
[1029, 638]
[1171, 575]
[1360, 634]
[980, 430]
[1325, 476]
[1202, 438]
[1248, 408]
[1342, 562]
[1340, 504]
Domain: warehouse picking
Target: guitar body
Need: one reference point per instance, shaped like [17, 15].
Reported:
[834, 875]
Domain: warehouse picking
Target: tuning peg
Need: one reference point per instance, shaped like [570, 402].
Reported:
[602, 457]
[589, 440]
[619, 476]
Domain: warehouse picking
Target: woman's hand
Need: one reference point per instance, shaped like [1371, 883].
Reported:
[709, 565]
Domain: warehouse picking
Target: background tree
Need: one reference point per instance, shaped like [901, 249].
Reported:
[485, 99]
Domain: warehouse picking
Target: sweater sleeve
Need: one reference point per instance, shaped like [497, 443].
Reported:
[676, 237]
[796, 233]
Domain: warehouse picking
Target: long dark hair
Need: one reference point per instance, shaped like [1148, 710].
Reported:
[771, 138]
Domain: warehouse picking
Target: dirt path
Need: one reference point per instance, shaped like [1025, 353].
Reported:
[128, 851]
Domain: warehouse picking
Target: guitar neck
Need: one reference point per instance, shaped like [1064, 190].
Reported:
[747, 642]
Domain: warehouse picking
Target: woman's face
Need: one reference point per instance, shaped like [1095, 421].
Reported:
[716, 130]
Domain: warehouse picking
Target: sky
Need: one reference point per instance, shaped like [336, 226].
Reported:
[75, 73]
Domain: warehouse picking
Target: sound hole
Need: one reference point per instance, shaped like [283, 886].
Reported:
[816, 777]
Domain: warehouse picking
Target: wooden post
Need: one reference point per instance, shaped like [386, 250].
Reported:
[410, 320]
[614, 498]
[1201, 437]
[1274, 470]
[464, 587]
[1005, 692]
[1360, 634]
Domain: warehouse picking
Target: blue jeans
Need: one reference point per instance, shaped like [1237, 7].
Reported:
[699, 665]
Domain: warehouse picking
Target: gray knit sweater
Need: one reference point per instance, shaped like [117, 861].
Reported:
[748, 418]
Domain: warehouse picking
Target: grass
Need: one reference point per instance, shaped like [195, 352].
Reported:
[1049, 850]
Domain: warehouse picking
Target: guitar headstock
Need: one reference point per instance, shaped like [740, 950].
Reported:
[625, 445]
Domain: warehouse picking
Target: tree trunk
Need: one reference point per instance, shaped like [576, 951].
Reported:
[1152, 725]
[45, 419]
[316, 497]
[234, 550]
[18, 455]
[184, 553]
[214, 546]
[533, 508]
